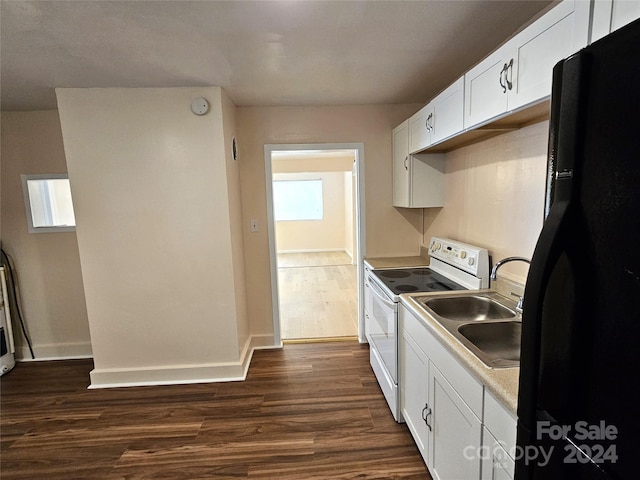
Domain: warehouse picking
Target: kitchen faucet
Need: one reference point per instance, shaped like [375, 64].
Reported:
[494, 276]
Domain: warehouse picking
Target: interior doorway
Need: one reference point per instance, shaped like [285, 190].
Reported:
[315, 222]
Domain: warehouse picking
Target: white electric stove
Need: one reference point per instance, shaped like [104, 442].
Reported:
[452, 266]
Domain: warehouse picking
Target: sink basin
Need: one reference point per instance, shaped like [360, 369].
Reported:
[469, 308]
[486, 323]
[498, 342]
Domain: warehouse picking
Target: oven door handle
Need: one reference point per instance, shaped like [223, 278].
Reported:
[375, 288]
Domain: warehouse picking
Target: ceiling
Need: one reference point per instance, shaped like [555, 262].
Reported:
[263, 53]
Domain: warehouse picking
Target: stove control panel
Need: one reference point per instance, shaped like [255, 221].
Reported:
[471, 259]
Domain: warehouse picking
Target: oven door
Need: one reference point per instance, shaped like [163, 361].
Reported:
[383, 333]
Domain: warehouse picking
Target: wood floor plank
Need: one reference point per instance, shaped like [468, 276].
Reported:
[317, 295]
[307, 411]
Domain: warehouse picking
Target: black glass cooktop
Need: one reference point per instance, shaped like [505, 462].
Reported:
[406, 280]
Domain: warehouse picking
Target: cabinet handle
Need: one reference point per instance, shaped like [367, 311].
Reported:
[509, 78]
[502, 84]
[427, 123]
[406, 167]
[426, 411]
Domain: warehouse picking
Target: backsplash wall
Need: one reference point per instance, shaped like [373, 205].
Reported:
[495, 196]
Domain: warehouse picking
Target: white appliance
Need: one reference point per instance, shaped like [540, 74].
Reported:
[7, 348]
[453, 266]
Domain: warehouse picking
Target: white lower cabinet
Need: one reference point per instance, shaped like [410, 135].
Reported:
[496, 462]
[460, 429]
[440, 402]
[457, 432]
[499, 441]
[414, 391]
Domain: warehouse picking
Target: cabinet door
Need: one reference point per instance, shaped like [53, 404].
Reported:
[556, 35]
[496, 464]
[401, 174]
[448, 112]
[414, 384]
[485, 91]
[456, 430]
[609, 15]
[420, 127]
[418, 180]
[624, 12]
[501, 422]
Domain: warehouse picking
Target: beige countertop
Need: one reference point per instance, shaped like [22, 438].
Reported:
[396, 262]
[501, 382]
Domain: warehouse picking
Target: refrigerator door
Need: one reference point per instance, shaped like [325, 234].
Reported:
[581, 321]
[554, 116]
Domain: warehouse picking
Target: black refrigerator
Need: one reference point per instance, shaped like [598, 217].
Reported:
[579, 397]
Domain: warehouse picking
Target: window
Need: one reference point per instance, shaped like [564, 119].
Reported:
[297, 200]
[48, 203]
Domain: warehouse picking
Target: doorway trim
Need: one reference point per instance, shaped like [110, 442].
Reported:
[360, 226]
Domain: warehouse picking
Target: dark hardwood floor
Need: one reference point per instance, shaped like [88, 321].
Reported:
[308, 411]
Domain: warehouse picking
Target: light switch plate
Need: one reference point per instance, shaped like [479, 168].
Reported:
[254, 225]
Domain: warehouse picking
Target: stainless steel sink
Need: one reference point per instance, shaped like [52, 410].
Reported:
[469, 308]
[498, 342]
[485, 323]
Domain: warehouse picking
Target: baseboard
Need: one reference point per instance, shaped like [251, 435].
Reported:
[317, 250]
[182, 374]
[54, 351]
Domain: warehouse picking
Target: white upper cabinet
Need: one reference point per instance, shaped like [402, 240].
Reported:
[520, 71]
[557, 35]
[441, 118]
[516, 77]
[401, 177]
[420, 127]
[485, 90]
[609, 15]
[448, 112]
[418, 180]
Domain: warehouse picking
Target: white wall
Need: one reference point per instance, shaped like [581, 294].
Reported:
[47, 265]
[349, 215]
[495, 196]
[236, 226]
[321, 236]
[157, 233]
[389, 231]
[327, 234]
